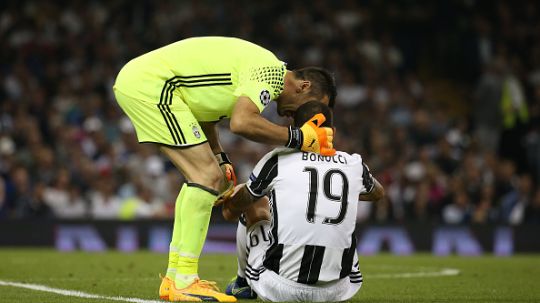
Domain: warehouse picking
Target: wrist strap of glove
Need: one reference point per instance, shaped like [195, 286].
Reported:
[222, 158]
[295, 138]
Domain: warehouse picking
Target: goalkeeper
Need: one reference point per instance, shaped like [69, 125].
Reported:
[174, 97]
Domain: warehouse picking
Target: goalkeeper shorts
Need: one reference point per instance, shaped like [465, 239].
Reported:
[171, 124]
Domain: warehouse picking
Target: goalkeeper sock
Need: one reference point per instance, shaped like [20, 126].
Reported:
[241, 250]
[175, 241]
[173, 260]
[187, 268]
[195, 210]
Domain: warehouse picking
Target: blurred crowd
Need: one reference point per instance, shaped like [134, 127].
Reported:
[441, 98]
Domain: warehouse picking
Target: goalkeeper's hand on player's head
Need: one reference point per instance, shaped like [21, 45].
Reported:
[311, 137]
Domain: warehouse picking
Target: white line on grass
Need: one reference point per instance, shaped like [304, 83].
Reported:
[421, 274]
[73, 293]
[80, 294]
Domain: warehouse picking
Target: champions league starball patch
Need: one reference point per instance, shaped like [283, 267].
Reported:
[265, 97]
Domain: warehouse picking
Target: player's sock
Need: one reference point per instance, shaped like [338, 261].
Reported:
[186, 272]
[241, 282]
[241, 250]
[196, 208]
[175, 241]
[173, 260]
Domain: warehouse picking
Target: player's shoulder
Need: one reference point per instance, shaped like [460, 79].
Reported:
[351, 158]
[280, 151]
[276, 153]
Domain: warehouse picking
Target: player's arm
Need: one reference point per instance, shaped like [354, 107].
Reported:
[376, 193]
[211, 132]
[247, 122]
[238, 202]
[212, 135]
[260, 183]
[373, 189]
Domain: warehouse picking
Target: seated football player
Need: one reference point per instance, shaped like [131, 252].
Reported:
[295, 239]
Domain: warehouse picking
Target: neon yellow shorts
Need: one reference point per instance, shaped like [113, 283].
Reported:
[170, 123]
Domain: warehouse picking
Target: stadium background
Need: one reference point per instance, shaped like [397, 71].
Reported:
[442, 99]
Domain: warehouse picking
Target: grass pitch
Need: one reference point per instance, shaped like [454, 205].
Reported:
[387, 278]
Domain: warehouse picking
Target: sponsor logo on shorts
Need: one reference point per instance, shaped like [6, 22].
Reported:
[265, 97]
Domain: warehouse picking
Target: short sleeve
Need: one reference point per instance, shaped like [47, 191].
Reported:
[262, 83]
[367, 179]
[263, 176]
[368, 182]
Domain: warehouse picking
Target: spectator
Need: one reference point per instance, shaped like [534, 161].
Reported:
[513, 203]
[143, 205]
[4, 207]
[104, 203]
[459, 211]
[487, 110]
[532, 212]
[483, 209]
[419, 116]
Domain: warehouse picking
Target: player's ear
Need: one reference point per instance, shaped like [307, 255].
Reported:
[305, 86]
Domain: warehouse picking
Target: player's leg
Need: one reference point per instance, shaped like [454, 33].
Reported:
[354, 281]
[238, 286]
[174, 245]
[150, 126]
[168, 280]
[198, 165]
[259, 211]
[172, 125]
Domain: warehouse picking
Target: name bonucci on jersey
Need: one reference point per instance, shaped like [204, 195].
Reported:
[313, 204]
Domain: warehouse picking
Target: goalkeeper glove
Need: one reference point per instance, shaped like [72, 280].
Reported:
[312, 138]
[230, 177]
[226, 167]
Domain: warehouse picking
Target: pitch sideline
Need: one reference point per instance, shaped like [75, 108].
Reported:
[421, 274]
[80, 294]
[74, 293]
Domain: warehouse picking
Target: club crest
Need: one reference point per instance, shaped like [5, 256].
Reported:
[196, 131]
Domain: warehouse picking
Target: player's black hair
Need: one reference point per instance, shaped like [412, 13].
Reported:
[310, 109]
[322, 82]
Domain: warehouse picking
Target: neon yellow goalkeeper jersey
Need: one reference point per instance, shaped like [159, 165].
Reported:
[207, 73]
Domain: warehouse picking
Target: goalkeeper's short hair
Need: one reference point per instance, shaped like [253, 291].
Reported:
[322, 82]
[311, 108]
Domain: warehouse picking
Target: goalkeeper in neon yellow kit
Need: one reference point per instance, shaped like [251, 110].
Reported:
[176, 94]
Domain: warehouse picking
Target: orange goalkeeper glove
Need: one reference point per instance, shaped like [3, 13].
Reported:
[311, 137]
[226, 167]
[229, 175]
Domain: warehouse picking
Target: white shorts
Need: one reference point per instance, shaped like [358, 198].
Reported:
[269, 286]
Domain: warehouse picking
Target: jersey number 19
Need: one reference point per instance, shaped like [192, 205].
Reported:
[342, 198]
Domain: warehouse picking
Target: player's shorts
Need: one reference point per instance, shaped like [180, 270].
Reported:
[170, 123]
[270, 286]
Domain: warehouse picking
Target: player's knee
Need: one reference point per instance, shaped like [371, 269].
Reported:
[213, 179]
[259, 211]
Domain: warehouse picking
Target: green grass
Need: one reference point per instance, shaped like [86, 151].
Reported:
[481, 279]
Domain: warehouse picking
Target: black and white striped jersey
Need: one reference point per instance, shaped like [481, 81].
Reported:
[313, 203]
